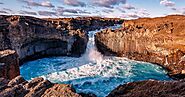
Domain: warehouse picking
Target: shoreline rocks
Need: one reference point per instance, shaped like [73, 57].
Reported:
[150, 88]
[155, 40]
[38, 87]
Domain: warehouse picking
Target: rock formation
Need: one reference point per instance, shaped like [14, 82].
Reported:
[156, 40]
[9, 64]
[32, 38]
[38, 87]
[150, 88]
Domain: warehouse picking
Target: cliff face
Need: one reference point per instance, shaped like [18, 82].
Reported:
[150, 88]
[9, 64]
[33, 38]
[157, 40]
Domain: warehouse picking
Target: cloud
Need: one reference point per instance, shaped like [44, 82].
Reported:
[41, 4]
[128, 7]
[108, 11]
[179, 10]
[7, 9]
[5, 12]
[28, 12]
[107, 3]
[47, 4]
[167, 3]
[74, 3]
[61, 10]
[47, 13]
[27, 7]
[1, 3]
[130, 15]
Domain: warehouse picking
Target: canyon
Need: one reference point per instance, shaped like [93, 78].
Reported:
[25, 38]
[154, 40]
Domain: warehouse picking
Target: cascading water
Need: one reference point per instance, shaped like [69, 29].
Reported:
[93, 72]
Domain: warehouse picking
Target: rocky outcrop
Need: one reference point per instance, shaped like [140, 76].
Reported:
[156, 40]
[37, 87]
[34, 38]
[9, 64]
[150, 88]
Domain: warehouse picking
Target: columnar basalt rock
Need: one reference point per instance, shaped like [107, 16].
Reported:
[158, 40]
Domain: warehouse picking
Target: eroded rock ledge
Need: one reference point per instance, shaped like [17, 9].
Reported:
[156, 40]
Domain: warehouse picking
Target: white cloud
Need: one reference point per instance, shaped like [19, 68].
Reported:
[128, 6]
[107, 3]
[167, 3]
[74, 3]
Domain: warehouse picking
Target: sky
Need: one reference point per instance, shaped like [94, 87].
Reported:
[127, 9]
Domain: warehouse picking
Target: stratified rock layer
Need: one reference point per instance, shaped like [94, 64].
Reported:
[150, 88]
[156, 40]
[37, 87]
[9, 64]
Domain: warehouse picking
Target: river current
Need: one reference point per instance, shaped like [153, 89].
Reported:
[93, 72]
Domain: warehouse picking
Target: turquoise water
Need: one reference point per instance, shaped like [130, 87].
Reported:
[93, 72]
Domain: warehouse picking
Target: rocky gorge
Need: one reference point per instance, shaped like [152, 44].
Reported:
[155, 40]
[25, 38]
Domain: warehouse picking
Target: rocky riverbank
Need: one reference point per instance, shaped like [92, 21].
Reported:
[155, 40]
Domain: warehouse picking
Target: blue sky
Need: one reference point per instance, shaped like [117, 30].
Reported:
[104, 8]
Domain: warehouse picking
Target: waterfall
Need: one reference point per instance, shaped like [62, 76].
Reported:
[93, 72]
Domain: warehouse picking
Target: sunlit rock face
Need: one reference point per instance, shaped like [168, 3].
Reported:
[157, 40]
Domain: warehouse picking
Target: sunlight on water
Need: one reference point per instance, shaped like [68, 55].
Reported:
[93, 72]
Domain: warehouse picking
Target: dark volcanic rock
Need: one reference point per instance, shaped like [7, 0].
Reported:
[37, 87]
[34, 38]
[150, 88]
[158, 40]
[9, 65]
